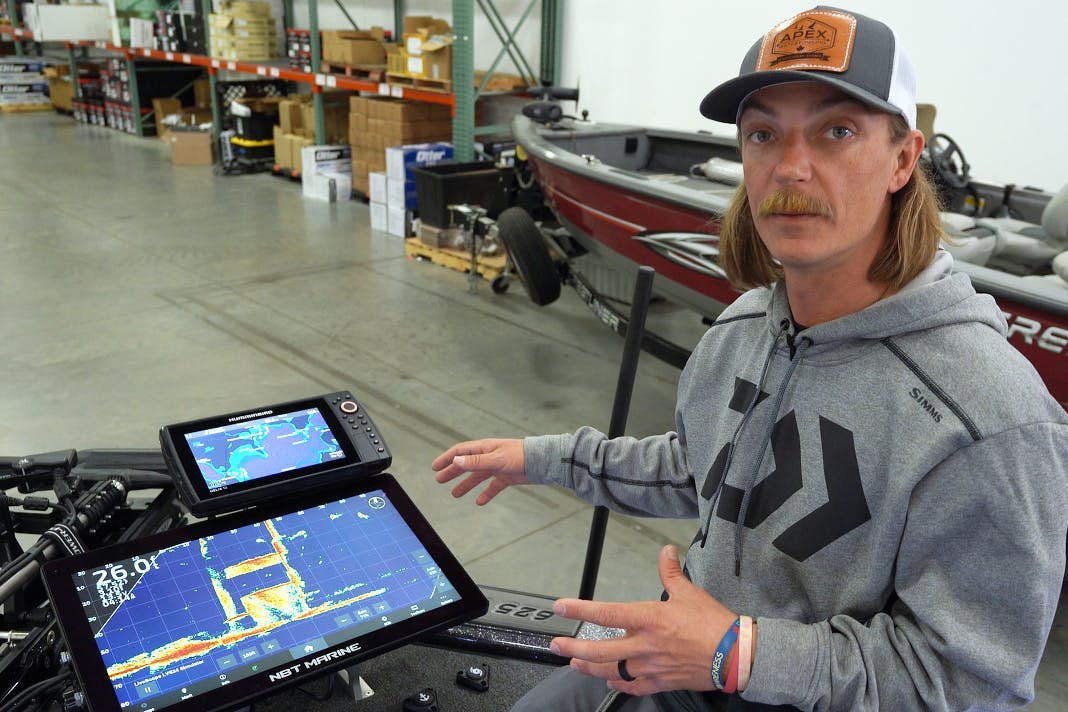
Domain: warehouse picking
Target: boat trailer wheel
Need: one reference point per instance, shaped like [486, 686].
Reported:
[529, 252]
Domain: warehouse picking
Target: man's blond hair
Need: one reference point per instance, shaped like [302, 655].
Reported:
[912, 238]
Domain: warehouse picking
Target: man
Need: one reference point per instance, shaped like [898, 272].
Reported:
[880, 479]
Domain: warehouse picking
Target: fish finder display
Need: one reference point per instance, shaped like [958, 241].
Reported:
[281, 595]
[263, 447]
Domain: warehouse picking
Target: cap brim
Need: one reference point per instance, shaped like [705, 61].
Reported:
[723, 102]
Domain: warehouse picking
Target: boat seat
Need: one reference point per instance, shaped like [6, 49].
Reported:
[1060, 266]
[1025, 248]
[723, 170]
[968, 242]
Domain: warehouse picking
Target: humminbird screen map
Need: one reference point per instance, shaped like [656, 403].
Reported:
[263, 447]
[277, 598]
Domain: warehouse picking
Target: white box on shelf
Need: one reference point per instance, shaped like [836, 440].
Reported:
[50, 23]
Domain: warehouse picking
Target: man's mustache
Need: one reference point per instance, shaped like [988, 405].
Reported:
[790, 201]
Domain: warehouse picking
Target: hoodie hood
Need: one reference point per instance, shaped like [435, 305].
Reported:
[936, 297]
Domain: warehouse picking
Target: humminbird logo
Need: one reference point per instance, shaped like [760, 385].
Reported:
[260, 414]
[327, 155]
[314, 662]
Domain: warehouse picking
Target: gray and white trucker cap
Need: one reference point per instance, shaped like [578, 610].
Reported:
[860, 56]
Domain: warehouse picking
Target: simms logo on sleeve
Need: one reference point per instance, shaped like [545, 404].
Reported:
[819, 39]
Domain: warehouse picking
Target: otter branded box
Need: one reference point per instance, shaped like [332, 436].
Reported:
[326, 172]
[400, 159]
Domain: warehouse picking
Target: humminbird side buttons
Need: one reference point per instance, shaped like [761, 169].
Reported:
[230, 609]
[238, 460]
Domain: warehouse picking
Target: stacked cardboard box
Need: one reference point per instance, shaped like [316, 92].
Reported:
[169, 113]
[392, 191]
[296, 126]
[426, 51]
[376, 123]
[243, 30]
[23, 84]
[354, 47]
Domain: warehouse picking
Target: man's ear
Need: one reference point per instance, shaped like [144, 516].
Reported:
[905, 161]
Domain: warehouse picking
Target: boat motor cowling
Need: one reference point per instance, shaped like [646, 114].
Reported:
[543, 111]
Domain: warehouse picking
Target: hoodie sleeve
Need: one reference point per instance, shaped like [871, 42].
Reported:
[979, 572]
[647, 477]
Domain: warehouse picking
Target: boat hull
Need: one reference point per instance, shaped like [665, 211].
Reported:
[609, 215]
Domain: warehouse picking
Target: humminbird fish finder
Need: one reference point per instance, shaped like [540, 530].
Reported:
[242, 459]
[234, 608]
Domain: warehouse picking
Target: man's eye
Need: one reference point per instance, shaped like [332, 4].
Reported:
[759, 136]
[839, 132]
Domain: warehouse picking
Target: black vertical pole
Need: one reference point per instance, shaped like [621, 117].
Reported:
[632, 348]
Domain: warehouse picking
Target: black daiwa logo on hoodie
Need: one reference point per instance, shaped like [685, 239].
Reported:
[846, 507]
[919, 397]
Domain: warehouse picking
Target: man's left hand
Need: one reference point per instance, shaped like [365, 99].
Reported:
[668, 645]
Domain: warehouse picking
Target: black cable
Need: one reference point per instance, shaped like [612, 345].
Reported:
[38, 688]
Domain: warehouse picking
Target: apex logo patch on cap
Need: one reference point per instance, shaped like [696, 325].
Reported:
[817, 39]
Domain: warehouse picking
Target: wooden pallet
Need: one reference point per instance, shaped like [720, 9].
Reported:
[437, 85]
[488, 266]
[370, 72]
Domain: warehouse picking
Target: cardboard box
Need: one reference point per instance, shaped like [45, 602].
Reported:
[191, 148]
[359, 177]
[142, 33]
[398, 221]
[335, 121]
[400, 159]
[426, 24]
[290, 114]
[281, 152]
[328, 159]
[401, 194]
[354, 46]
[379, 217]
[329, 187]
[61, 91]
[438, 236]
[398, 133]
[378, 191]
[405, 111]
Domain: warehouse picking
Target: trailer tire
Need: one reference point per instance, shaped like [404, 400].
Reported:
[530, 255]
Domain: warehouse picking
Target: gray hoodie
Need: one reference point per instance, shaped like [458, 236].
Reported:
[901, 476]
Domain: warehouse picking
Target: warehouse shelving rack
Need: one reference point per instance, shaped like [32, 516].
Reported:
[461, 101]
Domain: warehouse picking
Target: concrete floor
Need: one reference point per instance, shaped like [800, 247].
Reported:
[136, 293]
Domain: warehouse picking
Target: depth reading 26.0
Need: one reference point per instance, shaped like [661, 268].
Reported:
[111, 581]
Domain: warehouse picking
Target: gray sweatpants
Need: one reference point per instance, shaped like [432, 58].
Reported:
[568, 691]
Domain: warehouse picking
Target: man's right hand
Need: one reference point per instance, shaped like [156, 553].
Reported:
[498, 460]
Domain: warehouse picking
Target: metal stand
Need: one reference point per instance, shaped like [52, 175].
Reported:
[632, 348]
[475, 225]
[354, 686]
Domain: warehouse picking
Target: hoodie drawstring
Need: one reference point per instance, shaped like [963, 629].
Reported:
[784, 327]
[795, 360]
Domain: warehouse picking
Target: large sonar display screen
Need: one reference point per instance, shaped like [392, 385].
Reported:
[244, 451]
[233, 613]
